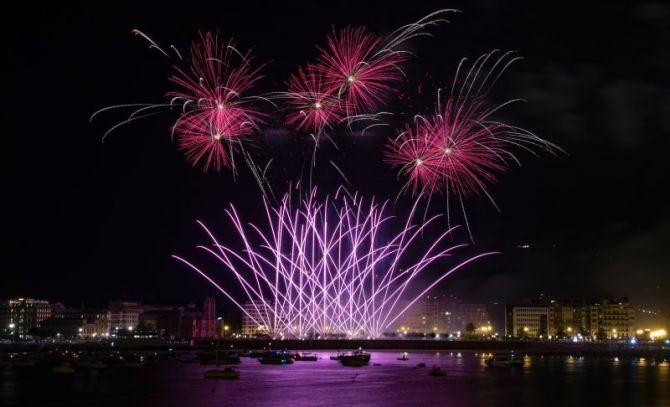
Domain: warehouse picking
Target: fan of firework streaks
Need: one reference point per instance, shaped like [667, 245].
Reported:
[325, 267]
[460, 148]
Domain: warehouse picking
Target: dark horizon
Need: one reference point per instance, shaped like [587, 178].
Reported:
[90, 222]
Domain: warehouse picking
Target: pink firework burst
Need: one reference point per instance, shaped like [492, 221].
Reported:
[313, 105]
[359, 69]
[460, 149]
[217, 111]
[467, 150]
[212, 140]
[413, 150]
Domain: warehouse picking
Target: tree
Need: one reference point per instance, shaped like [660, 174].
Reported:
[470, 328]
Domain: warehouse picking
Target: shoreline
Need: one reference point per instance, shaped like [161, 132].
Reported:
[523, 347]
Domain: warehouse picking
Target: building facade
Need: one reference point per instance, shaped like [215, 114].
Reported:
[568, 318]
[20, 316]
[207, 323]
[530, 320]
[441, 314]
[253, 318]
[181, 322]
[615, 318]
[124, 315]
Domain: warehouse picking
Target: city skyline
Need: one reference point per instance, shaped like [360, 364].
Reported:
[435, 313]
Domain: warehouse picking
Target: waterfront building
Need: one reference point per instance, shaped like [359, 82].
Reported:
[76, 323]
[441, 314]
[65, 323]
[253, 317]
[528, 320]
[615, 318]
[96, 324]
[124, 315]
[181, 322]
[460, 314]
[611, 318]
[20, 316]
[207, 323]
[163, 319]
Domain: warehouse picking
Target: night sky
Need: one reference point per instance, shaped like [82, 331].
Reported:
[87, 222]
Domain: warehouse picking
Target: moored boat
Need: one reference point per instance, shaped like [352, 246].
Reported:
[275, 358]
[305, 357]
[355, 359]
[503, 361]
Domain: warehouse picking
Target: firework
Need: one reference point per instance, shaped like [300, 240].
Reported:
[327, 267]
[460, 149]
[413, 150]
[212, 140]
[313, 105]
[217, 113]
[359, 70]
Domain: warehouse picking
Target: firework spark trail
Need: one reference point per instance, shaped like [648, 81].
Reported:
[460, 149]
[152, 43]
[325, 268]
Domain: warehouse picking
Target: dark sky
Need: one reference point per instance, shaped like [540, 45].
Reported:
[87, 222]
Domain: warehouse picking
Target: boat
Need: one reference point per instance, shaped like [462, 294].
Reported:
[403, 356]
[503, 361]
[227, 373]
[275, 358]
[305, 357]
[436, 371]
[355, 359]
[64, 368]
[421, 365]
